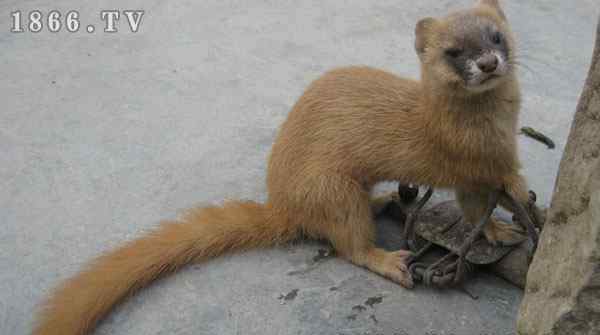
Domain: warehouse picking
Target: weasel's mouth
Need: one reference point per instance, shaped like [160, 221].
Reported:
[489, 78]
[482, 81]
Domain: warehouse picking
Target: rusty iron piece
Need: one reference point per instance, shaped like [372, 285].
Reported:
[442, 225]
[536, 214]
[408, 193]
[411, 217]
[431, 225]
[461, 263]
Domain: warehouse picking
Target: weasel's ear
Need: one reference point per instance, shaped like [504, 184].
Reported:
[423, 32]
[495, 4]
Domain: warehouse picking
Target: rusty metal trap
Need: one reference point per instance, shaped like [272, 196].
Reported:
[445, 248]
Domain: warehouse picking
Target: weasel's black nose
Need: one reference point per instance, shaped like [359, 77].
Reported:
[487, 63]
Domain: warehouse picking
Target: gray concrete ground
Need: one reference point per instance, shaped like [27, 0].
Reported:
[102, 135]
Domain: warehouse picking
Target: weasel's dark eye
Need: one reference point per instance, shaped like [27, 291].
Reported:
[497, 38]
[454, 52]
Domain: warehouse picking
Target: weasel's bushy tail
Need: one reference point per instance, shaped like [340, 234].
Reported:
[80, 302]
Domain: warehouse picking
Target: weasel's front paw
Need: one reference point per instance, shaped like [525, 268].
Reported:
[502, 233]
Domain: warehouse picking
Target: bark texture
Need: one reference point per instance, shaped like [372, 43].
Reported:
[562, 294]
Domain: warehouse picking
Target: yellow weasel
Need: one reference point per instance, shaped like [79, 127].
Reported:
[352, 128]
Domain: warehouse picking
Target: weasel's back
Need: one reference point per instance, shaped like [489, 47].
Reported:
[361, 86]
[329, 126]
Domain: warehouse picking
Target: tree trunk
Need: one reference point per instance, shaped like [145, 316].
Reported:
[562, 295]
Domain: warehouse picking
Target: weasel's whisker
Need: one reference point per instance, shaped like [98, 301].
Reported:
[519, 65]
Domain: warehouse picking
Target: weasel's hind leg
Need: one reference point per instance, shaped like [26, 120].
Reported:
[350, 228]
[390, 264]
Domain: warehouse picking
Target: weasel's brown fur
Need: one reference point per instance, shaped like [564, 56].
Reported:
[352, 128]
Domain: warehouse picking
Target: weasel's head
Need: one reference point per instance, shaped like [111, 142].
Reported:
[470, 50]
